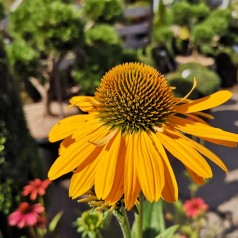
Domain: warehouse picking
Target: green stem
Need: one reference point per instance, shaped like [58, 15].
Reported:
[42, 202]
[123, 221]
[161, 216]
[139, 218]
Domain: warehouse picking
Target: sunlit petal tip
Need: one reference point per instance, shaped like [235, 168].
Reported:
[85, 103]
[195, 82]
[51, 174]
[53, 132]
[204, 103]
[189, 93]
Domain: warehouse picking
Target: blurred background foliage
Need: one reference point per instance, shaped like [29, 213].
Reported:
[208, 81]
[52, 50]
[90, 43]
[19, 160]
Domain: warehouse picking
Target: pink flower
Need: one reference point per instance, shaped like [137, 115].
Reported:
[36, 187]
[25, 215]
[194, 207]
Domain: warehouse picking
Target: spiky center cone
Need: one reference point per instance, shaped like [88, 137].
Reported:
[134, 97]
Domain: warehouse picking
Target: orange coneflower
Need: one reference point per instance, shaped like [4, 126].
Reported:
[119, 147]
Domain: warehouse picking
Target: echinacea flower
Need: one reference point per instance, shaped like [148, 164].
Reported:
[119, 147]
[36, 187]
[89, 223]
[194, 207]
[26, 215]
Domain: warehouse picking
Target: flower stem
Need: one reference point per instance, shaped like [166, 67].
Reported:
[123, 221]
[139, 218]
[161, 216]
[42, 202]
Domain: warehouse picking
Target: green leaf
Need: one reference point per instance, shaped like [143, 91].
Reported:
[169, 232]
[153, 219]
[55, 221]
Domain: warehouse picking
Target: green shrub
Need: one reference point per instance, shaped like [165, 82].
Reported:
[200, 11]
[202, 33]
[98, 59]
[162, 35]
[103, 10]
[1, 10]
[182, 12]
[103, 33]
[208, 81]
[19, 158]
[47, 25]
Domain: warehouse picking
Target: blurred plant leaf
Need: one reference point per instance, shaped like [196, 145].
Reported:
[153, 219]
[55, 221]
[169, 232]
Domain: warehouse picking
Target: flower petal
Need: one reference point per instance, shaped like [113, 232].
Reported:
[203, 114]
[187, 155]
[131, 182]
[204, 103]
[85, 103]
[117, 187]
[76, 153]
[149, 167]
[65, 144]
[196, 178]
[195, 118]
[83, 180]
[107, 166]
[67, 126]
[201, 130]
[170, 190]
[220, 142]
[201, 149]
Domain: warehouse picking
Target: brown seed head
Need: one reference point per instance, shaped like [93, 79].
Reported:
[134, 97]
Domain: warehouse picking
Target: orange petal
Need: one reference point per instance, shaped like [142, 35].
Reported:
[201, 130]
[107, 167]
[85, 103]
[221, 142]
[65, 143]
[117, 187]
[131, 182]
[186, 154]
[170, 190]
[67, 127]
[75, 154]
[149, 167]
[201, 149]
[83, 180]
[196, 178]
[204, 103]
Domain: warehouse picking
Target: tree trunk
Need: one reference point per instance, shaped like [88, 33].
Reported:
[55, 87]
